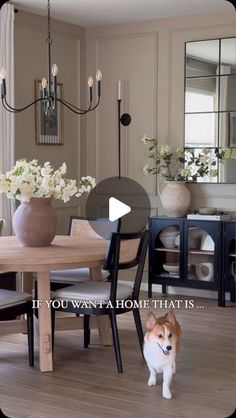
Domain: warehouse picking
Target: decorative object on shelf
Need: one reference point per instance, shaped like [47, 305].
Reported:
[207, 243]
[172, 268]
[205, 271]
[168, 235]
[49, 87]
[49, 128]
[183, 164]
[124, 120]
[175, 198]
[219, 217]
[207, 211]
[34, 221]
[177, 240]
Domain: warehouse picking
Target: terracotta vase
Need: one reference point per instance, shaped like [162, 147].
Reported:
[35, 222]
[175, 198]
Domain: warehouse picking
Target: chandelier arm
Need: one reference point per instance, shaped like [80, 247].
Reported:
[95, 106]
[23, 108]
[7, 108]
[74, 107]
[77, 112]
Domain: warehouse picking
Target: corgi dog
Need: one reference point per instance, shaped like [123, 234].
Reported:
[161, 346]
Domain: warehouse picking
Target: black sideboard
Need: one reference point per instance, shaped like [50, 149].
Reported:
[201, 253]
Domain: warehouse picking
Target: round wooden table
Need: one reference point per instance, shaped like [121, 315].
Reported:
[66, 252]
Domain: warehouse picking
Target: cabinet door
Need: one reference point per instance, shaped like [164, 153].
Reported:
[166, 259]
[229, 255]
[202, 255]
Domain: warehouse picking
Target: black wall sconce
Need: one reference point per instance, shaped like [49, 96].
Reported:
[124, 120]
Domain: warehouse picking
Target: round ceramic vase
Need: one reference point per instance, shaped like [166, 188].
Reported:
[35, 222]
[175, 198]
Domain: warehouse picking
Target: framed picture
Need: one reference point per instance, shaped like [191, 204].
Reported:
[232, 129]
[48, 128]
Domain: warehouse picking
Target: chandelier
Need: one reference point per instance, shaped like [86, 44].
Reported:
[49, 89]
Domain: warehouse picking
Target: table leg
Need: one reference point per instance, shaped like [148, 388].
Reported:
[103, 320]
[45, 326]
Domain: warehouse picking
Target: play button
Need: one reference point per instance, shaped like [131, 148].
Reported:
[117, 209]
[118, 199]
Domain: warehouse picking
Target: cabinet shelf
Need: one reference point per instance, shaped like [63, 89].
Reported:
[176, 250]
[201, 252]
[167, 276]
[168, 250]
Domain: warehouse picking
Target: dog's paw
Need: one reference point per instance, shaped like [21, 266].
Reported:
[167, 394]
[152, 381]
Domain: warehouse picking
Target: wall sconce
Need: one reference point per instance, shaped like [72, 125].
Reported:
[124, 120]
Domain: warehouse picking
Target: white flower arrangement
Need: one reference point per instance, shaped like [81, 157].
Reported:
[183, 164]
[29, 179]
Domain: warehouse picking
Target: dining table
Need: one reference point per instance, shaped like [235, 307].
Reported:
[65, 252]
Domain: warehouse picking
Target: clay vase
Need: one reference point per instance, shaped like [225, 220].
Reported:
[35, 222]
[175, 198]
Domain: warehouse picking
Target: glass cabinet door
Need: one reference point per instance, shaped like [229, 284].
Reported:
[167, 247]
[201, 265]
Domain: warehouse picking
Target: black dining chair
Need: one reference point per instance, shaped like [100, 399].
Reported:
[111, 298]
[82, 227]
[13, 304]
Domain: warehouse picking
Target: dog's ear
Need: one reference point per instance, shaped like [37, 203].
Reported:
[151, 321]
[170, 316]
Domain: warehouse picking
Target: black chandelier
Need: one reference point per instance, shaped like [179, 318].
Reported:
[48, 94]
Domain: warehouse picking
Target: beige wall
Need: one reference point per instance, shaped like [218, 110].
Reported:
[149, 59]
[30, 64]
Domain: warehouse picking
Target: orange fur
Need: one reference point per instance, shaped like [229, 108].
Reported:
[155, 326]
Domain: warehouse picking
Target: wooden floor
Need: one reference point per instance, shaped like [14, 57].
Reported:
[85, 382]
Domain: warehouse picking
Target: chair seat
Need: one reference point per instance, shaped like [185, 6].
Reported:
[73, 276]
[10, 298]
[92, 291]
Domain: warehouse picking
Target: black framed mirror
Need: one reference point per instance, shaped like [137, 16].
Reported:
[210, 102]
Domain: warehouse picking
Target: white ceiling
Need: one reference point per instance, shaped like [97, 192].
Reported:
[102, 12]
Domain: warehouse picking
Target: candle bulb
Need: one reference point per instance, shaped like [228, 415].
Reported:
[119, 90]
[44, 87]
[54, 73]
[90, 84]
[3, 74]
[99, 78]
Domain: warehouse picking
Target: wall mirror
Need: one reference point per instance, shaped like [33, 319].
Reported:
[210, 101]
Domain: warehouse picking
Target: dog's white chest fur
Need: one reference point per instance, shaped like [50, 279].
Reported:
[155, 357]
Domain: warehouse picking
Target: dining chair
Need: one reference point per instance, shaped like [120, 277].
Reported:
[13, 304]
[81, 227]
[112, 298]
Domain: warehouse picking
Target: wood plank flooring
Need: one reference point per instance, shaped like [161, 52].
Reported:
[85, 383]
